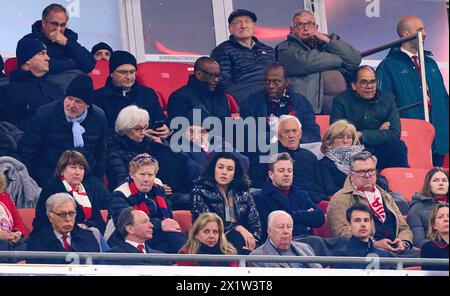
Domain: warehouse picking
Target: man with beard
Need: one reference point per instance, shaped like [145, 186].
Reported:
[308, 53]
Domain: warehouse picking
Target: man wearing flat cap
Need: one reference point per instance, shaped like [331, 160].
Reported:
[101, 51]
[70, 124]
[242, 58]
[28, 88]
[122, 90]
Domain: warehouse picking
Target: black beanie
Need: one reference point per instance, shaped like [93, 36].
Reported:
[27, 48]
[101, 45]
[120, 57]
[81, 87]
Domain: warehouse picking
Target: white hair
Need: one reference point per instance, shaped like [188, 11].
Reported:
[58, 199]
[284, 118]
[275, 214]
[129, 117]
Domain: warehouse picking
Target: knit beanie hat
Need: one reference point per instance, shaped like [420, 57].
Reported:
[120, 57]
[101, 45]
[27, 48]
[81, 87]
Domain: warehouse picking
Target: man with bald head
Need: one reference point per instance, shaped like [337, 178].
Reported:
[399, 73]
[279, 242]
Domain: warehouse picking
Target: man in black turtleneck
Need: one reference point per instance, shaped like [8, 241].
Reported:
[29, 87]
[203, 91]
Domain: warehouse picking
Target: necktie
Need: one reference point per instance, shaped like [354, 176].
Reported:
[141, 248]
[417, 65]
[65, 242]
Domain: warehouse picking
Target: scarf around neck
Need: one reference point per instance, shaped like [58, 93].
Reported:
[77, 129]
[341, 156]
[375, 201]
[81, 197]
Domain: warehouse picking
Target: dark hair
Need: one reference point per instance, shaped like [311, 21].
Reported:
[241, 182]
[360, 68]
[426, 189]
[201, 61]
[276, 66]
[126, 218]
[357, 207]
[71, 157]
[54, 7]
[279, 157]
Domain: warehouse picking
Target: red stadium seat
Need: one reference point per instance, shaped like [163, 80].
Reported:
[446, 161]
[234, 108]
[27, 217]
[323, 121]
[184, 218]
[100, 74]
[10, 66]
[104, 215]
[418, 136]
[323, 205]
[163, 77]
[405, 181]
[324, 230]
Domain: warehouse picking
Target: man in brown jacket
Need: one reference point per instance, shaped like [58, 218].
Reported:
[391, 233]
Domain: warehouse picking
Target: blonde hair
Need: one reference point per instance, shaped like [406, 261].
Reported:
[140, 160]
[3, 183]
[192, 244]
[433, 234]
[336, 129]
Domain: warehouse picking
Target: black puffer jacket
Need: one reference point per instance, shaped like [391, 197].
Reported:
[206, 198]
[241, 66]
[63, 58]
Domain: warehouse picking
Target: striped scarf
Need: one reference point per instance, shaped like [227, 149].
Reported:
[375, 201]
[81, 197]
[159, 199]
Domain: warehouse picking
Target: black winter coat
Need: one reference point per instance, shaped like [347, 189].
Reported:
[207, 198]
[111, 99]
[50, 134]
[24, 94]
[63, 58]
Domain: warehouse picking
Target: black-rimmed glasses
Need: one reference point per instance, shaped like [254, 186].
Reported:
[63, 215]
[212, 75]
[363, 173]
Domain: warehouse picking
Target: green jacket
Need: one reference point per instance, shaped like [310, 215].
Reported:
[368, 116]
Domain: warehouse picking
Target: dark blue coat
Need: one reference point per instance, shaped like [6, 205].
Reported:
[124, 247]
[63, 58]
[242, 68]
[82, 240]
[95, 192]
[50, 134]
[111, 99]
[24, 94]
[271, 199]
[257, 106]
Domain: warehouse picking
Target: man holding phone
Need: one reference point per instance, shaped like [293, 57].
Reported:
[121, 90]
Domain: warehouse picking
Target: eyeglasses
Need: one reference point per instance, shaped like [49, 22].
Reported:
[212, 75]
[142, 158]
[364, 173]
[125, 72]
[366, 83]
[304, 25]
[139, 129]
[57, 25]
[63, 215]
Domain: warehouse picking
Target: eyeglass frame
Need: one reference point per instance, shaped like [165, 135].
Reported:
[211, 75]
[140, 129]
[364, 173]
[304, 25]
[63, 215]
[364, 83]
[126, 72]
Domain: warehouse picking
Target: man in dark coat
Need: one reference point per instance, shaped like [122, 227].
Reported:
[63, 235]
[280, 194]
[203, 91]
[70, 124]
[121, 90]
[278, 99]
[135, 228]
[242, 58]
[62, 46]
[28, 88]
[375, 116]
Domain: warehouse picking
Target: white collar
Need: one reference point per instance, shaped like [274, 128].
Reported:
[135, 244]
[410, 54]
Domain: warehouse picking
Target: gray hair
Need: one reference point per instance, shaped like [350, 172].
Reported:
[275, 214]
[302, 12]
[284, 118]
[362, 156]
[126, 218]
[58, 199]
[129, 117]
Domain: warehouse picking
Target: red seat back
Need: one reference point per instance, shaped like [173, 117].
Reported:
[184, 218]
[324, 230]
[100, 73]
[104, 215]
[323, 121]
[27, 217]
[446, 161]
[406, 181]
[11, 65]
[418, 136]
[163, 77]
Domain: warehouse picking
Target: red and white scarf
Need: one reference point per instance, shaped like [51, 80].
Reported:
[81, 197]
[375, 201]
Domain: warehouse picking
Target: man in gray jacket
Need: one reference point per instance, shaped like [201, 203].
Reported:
[309, 56]
[279, 242]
